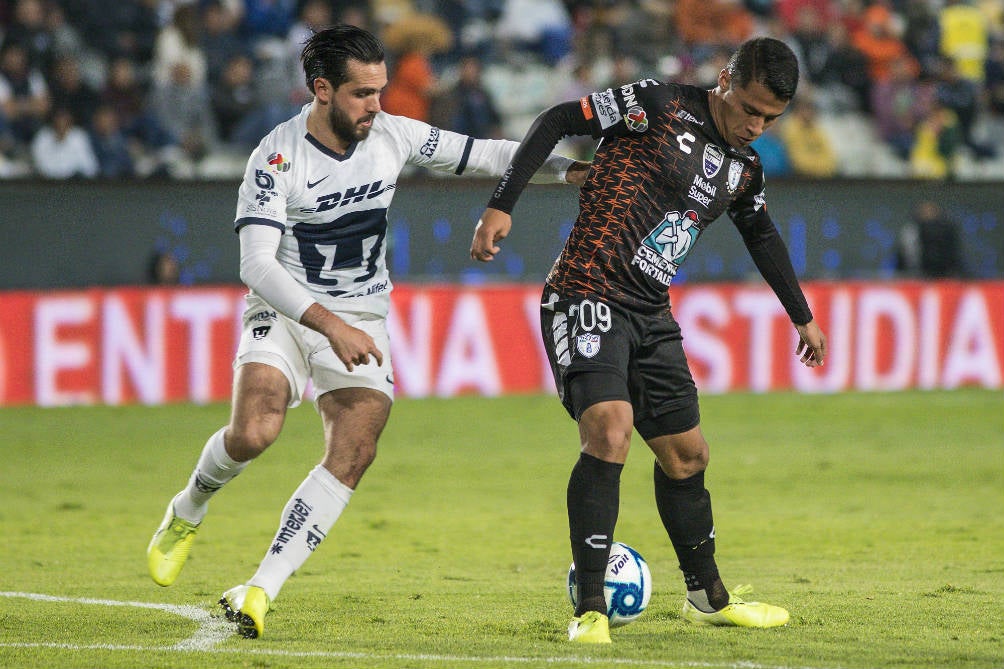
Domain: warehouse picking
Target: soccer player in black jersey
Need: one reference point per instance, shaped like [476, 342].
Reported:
[672, 158]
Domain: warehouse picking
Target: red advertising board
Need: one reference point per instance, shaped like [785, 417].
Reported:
[155, 345]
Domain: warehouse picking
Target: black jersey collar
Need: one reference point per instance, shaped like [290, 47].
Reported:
[328, 152]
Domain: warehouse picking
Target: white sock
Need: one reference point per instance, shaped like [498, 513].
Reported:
[214, 469]
[306, 520]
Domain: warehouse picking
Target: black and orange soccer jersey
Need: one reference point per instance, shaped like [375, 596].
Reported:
[661, 175]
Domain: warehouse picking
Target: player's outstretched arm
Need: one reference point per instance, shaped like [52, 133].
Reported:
[811, 347]
[493, 227]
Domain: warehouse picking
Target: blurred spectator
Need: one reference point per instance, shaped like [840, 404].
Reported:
[62, 150]
[110, 144]
[809, 25]
[964, 37]
[68, 89]
[164, 269]
[28, 29]
[930, 246]
[704, 24]
[879, 40]
[314, 15]
[220, 40]
[183, 107]
[808, 145]
[922, 33]
[413, 82]
[234, 97]
[795, 14]
[994, 70]
[962, 96]
[124, 93]
[467, 107]
[67, 41]
[935, 145]
[24, 94]
[180, 42]
[264, 19]
[242, 118]
[541, 27]
[117, 29]
[898, 105]
[844, 79]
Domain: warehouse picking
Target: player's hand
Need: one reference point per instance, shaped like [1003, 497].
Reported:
[493, 227]
[576, 174]
[811, 348]
[353, 346]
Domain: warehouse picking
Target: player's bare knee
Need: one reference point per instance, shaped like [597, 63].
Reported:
[245, 441]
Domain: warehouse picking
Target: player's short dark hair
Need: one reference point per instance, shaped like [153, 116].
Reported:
[767, 61]
[327, 52]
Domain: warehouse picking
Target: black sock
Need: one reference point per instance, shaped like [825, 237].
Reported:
[593, 501]
[685, 508]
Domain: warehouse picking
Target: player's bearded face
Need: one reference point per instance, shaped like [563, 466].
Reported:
[357, 101]
[347, 128]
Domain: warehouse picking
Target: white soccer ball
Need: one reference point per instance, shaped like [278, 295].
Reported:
[628, 585]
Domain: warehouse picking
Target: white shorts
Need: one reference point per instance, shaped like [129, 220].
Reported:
[302, 354]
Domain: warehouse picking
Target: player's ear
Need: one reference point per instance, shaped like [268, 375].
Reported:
[323, 90]
[724, 79]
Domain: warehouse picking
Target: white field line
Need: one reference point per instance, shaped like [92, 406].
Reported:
[213, 630]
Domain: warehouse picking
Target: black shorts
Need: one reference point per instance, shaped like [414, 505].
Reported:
[599, 352]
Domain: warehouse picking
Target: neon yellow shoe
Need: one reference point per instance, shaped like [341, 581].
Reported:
[738, 613]
[590, 627]
[169, 547]
[246, 605]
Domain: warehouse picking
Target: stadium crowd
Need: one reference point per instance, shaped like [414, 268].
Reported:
[185, 89]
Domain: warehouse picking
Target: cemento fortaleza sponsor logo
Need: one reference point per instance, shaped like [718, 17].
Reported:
[665, 248]
[295, 521]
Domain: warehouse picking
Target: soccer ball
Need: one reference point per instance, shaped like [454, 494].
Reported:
[628, 584]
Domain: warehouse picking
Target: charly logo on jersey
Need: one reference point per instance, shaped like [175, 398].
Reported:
[735, 174]
[261, 331]
[588, 344]
[713, 159]
[277, 163]
[666, 246]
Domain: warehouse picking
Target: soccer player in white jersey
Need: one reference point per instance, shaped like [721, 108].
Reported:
[312, 221]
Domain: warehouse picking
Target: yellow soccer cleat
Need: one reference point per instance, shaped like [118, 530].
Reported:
[590, 627]
[246, 605]
[169, 547]
[738, 613]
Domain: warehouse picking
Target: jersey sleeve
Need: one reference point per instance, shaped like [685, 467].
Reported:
[261, 198]
[622, 111]
[767, 249]
[454, 153]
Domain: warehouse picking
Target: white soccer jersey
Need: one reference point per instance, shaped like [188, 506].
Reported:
[332, 208]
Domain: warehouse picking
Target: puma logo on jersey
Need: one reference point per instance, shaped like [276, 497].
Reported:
[352, 194]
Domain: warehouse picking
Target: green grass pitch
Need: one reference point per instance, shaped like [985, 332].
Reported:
[877, 519]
